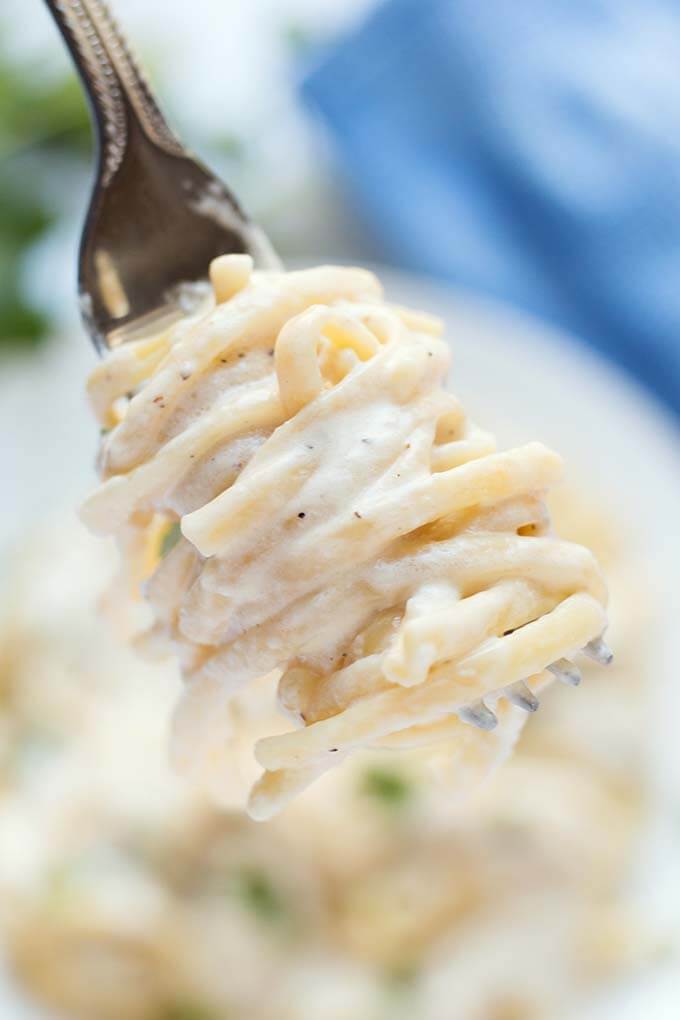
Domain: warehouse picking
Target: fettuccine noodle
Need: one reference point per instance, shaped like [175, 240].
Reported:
[341, 521]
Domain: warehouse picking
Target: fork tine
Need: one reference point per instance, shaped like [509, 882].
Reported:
[520, 695]
[479, 715]
[566, 672]
[599, 651]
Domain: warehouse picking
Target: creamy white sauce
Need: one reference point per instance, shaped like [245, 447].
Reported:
[342, 521]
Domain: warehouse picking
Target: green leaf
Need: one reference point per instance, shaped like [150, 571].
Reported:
[170, 538]
[23, 217]
[402, 977]
[257, 892]
[30, 109]
[20, 324]
[387, 787]
[36, 111]
[186, 1011]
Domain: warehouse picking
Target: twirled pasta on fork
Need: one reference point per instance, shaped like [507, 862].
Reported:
[341, 521]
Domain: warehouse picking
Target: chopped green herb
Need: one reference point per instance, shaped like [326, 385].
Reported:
[402, 977]
[186, 1011]
[387, 786]
[170, 538]
[259, 895]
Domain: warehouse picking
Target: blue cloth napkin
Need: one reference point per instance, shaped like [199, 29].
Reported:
[528, 150]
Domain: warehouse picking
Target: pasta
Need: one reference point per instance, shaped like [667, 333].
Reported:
[127, 894]
[341, 521]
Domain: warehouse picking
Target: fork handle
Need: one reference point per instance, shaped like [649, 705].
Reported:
[116, 88]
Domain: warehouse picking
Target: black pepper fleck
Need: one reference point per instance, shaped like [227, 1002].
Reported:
[357, 514]
[302, 514]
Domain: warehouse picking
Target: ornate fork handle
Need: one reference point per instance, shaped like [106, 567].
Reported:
[117, 89]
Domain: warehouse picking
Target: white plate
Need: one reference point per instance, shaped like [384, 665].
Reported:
[518, 378]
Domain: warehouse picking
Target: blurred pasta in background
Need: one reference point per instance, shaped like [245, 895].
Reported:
[126, 895]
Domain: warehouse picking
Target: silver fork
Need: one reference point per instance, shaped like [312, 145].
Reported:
[157, 216]
[482, 715]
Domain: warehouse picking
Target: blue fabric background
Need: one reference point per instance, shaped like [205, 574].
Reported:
[526, 149]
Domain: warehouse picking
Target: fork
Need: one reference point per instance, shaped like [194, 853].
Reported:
[156, 219]
[156, 216]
